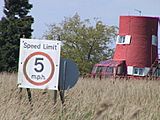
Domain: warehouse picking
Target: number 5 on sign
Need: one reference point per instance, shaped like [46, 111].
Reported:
[38, 65]
[38, 61]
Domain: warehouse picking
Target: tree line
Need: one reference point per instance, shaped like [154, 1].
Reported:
[83, 41]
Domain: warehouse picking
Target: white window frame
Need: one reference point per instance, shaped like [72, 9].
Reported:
[130, 70]
[123, 39]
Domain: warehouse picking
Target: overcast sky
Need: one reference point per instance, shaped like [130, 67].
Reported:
[46, 12]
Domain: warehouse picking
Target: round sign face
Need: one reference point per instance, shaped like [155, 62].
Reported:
[38, 68]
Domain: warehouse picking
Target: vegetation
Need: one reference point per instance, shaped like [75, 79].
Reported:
[13, 26]
[90, 99]
[82, 42]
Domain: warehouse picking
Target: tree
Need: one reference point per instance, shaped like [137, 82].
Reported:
[82, 42]
[15, 25]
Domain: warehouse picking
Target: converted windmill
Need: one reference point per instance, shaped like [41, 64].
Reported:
[136, 52]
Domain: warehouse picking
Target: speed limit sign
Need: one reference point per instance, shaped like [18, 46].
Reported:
[39, 63]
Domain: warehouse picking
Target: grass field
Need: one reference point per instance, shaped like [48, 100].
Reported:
[90, 99]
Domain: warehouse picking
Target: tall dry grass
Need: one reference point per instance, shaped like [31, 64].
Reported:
[90, 99]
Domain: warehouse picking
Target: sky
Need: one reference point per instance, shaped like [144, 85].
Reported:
[46, 12]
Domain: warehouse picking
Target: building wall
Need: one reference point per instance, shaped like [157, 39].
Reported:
[140, 52]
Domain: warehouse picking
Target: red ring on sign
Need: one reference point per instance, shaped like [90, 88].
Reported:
[52, 68]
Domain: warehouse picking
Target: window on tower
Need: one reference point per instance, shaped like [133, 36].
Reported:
[138, 71]
[123, 39]
[154, 40]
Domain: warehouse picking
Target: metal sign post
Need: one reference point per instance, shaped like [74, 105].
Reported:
[68, 77]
